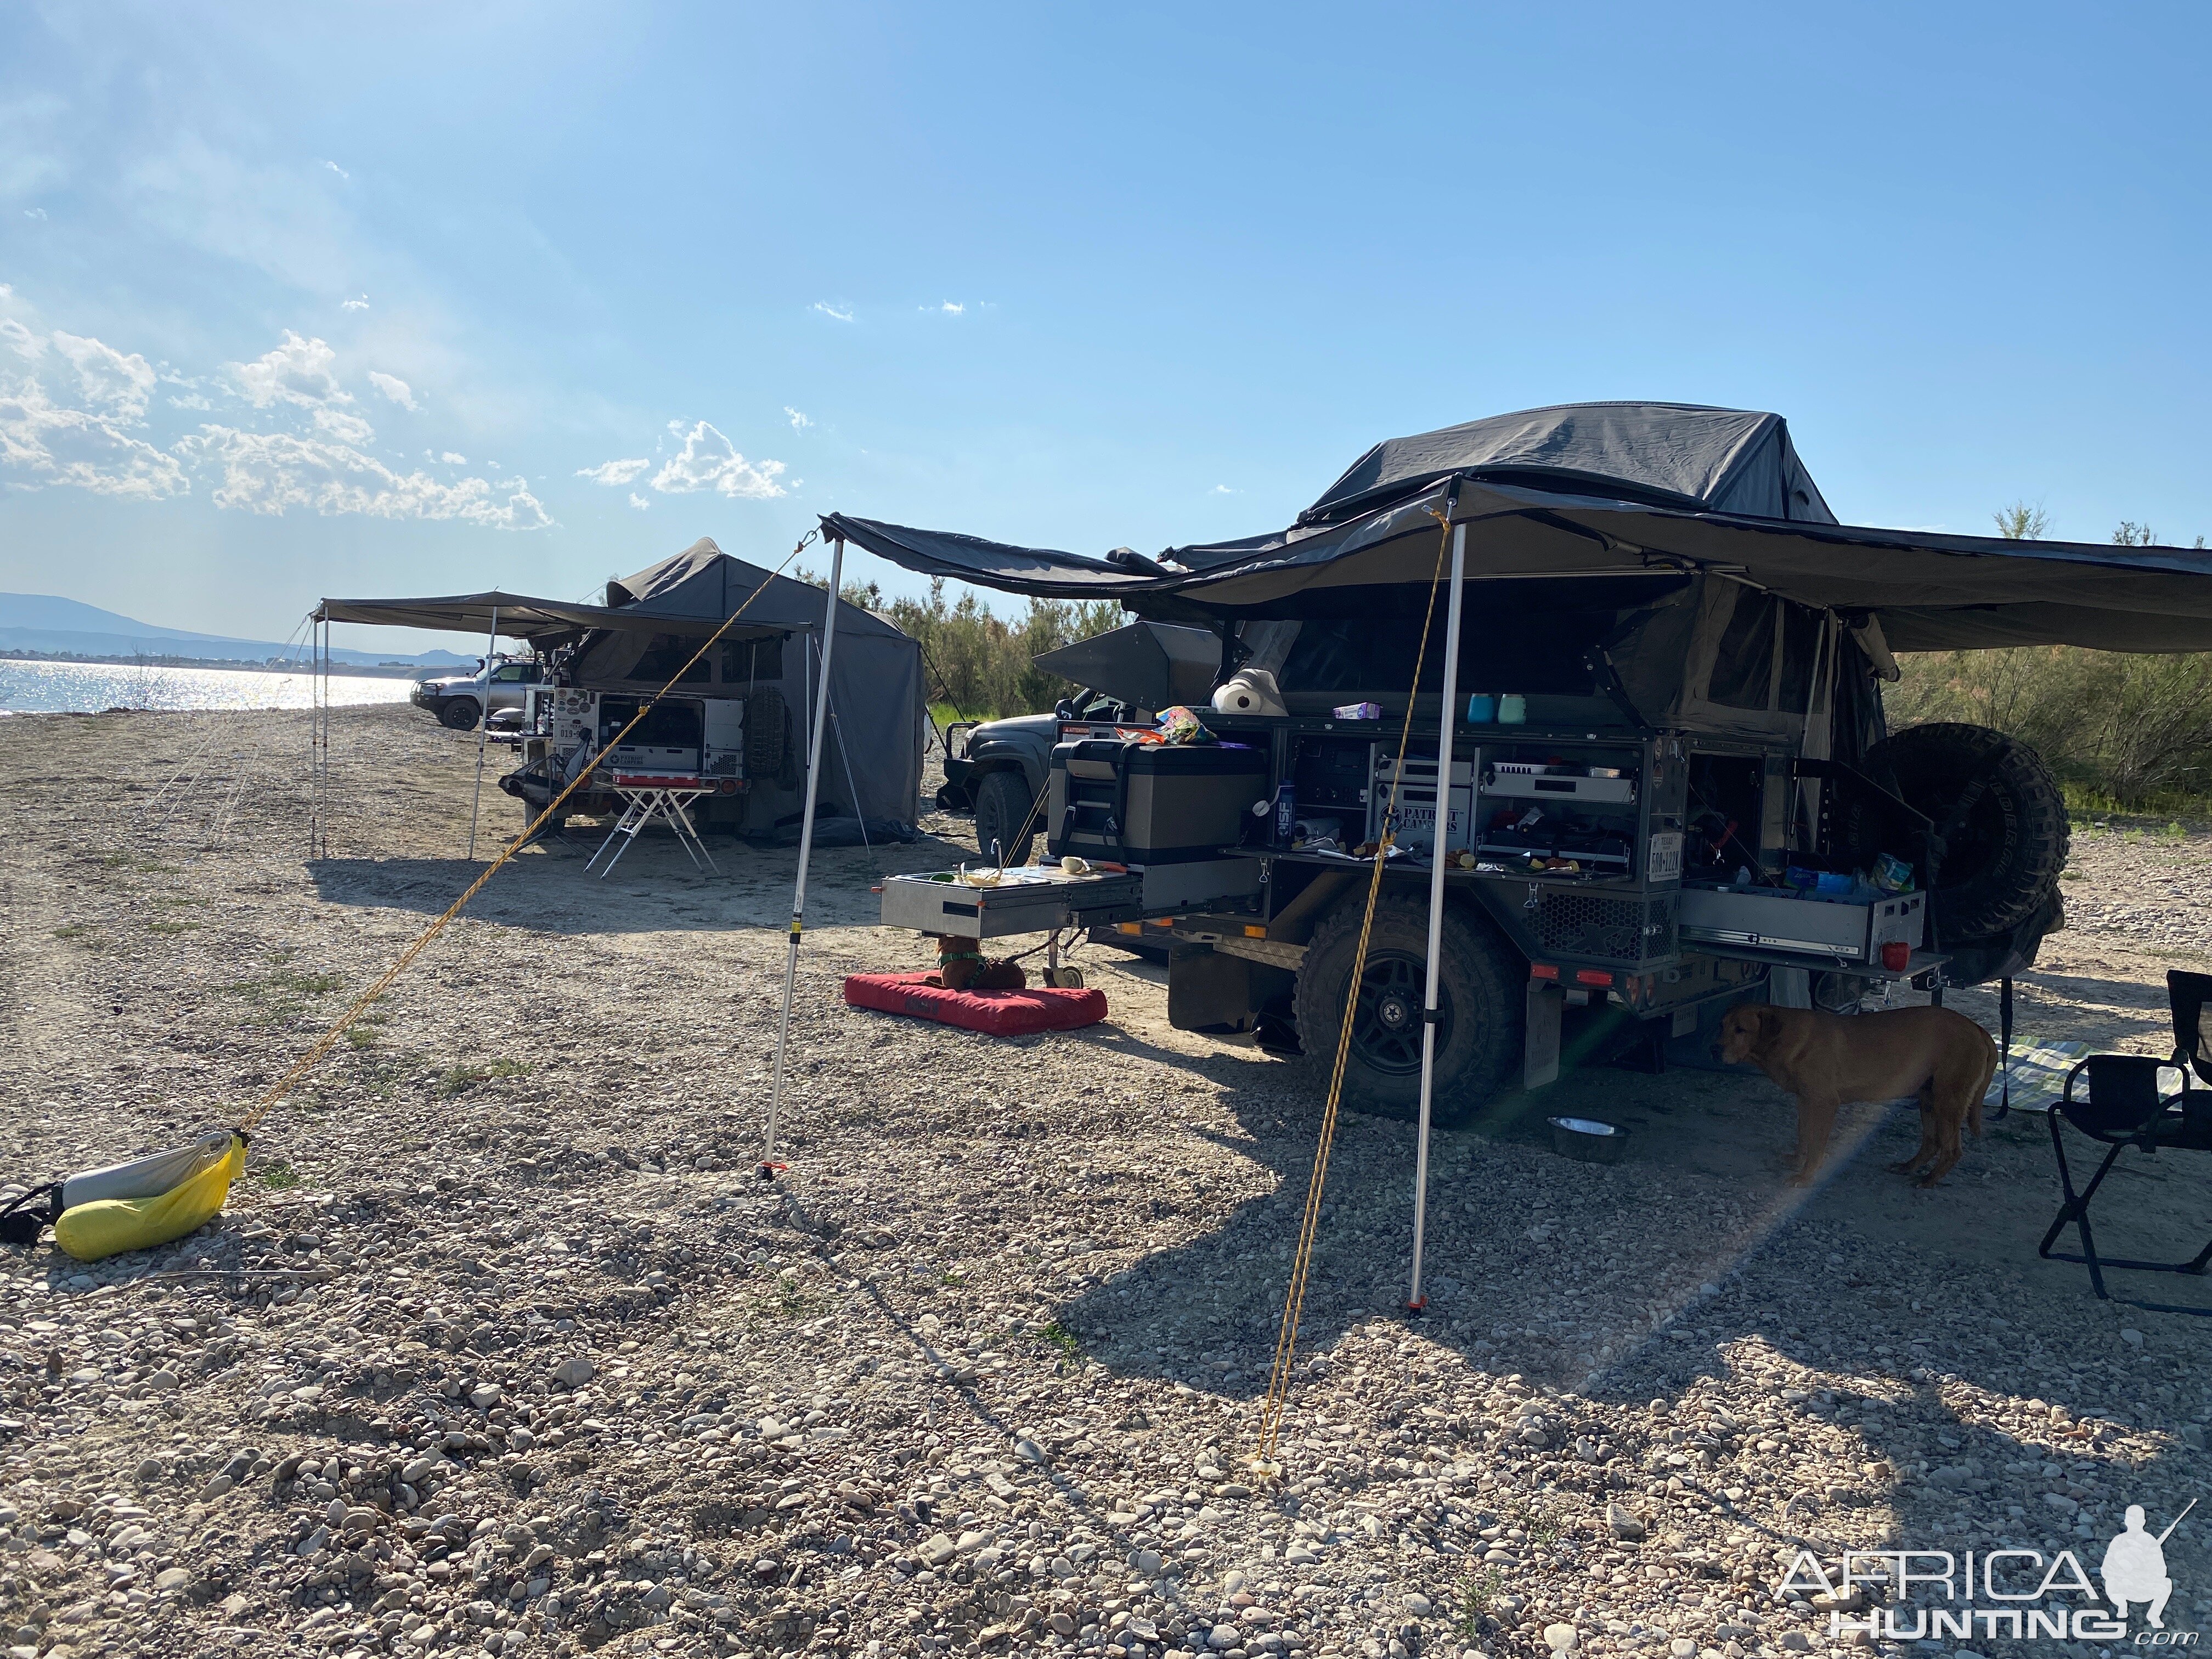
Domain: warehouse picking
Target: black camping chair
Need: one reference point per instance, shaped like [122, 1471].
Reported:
[2125, 1108]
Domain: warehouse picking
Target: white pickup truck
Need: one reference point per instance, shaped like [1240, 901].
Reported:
[459, 700]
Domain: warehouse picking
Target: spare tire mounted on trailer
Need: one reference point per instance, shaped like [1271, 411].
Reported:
[2000, 813]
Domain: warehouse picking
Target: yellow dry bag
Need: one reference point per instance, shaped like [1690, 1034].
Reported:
[123, 1209]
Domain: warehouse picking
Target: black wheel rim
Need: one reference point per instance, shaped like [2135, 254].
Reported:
[1386, 1022]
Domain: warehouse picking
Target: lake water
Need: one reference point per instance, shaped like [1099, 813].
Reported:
[60, 688]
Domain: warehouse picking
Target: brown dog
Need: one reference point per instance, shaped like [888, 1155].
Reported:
[1826, 1059]
[962, 967]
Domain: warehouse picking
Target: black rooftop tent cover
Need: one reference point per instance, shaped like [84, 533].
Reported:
[1630, 489]
[878, 703]
[1152, 665]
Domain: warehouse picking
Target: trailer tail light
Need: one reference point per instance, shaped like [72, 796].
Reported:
[1592, 976]
[1543, 970]
[1251, 932]
[1163, 922]
[1128, 927]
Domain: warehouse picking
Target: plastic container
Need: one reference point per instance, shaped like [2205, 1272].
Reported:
[1833, 885]
[1512, 709]
[1481, 708]
[1895, 953]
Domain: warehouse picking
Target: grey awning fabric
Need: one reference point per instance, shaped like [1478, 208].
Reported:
[1377, 527]
[691, 592]
[1152, 665]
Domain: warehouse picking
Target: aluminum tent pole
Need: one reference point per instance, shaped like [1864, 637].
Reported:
[484, 730]
[1437, 854]
[805, 850]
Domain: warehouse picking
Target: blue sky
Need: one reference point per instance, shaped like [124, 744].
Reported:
[413, 298]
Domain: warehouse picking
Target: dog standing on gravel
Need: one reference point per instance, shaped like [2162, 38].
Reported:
[1826, 1059]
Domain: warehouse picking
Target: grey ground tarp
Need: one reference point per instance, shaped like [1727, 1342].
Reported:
[877, 699]
[1547, 510]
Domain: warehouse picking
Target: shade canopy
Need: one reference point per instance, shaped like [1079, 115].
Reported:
[691, 592]
[1614, 490]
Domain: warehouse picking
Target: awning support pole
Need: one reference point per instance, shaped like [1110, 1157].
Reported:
[483, 732]
[806, 851]
[1439, 856]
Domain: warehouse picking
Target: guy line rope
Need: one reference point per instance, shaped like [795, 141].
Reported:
[1278, 1378]
[329, 1040]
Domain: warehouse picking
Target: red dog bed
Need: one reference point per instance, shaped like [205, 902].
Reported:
[994, 1013]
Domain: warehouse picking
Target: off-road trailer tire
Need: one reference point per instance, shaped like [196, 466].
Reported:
[2003, 857]
[1481, 998]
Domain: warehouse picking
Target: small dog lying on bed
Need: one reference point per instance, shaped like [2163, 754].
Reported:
[962, 967]
[1826, 1059]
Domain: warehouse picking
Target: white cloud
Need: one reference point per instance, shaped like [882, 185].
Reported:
[190, 400]
[710, 461]
[41, 444]
[270, 472]
[34, 213]
[336, 169]
[799, 421]
[26, 345]
[612, 473]
[393, 388]
[951, 307]
[344, 425]
[450, 459]
[297, 372]
[1224, 490]
[837, 313]
[639, 503]
[119, 382]
[358, 303]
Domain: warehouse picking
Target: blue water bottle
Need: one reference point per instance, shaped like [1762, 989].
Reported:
[1286, 813]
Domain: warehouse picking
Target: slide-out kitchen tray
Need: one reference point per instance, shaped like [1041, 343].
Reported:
[1027, 900]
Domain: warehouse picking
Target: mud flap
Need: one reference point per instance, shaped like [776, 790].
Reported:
[1539, 1048]
[1208, 991]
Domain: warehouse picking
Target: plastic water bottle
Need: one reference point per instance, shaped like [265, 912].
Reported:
[1286, 814]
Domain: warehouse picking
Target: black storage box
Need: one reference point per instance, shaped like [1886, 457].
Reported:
[1151, 803]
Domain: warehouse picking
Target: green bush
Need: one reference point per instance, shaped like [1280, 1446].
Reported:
[2120, 730]
[978, 663]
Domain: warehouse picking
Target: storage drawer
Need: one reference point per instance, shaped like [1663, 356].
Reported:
[1839, 930]
[1029, 900]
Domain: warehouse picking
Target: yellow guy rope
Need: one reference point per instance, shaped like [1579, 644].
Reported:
[309, 1061]
[1278, 1379]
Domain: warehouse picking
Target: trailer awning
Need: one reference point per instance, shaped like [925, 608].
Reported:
[1618, 490]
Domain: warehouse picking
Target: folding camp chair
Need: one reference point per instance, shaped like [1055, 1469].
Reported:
[2126, 1108]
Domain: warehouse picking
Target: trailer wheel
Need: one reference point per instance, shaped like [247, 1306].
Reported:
[1002, 803]
[458, 713]
[1480, 1002]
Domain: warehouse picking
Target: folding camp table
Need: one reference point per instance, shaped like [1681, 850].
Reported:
[649, 795]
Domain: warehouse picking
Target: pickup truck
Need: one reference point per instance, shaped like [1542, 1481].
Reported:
[459, 700]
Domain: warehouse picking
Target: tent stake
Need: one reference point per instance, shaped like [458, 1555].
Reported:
[805, 850]
[483, 730]
[1438, 853]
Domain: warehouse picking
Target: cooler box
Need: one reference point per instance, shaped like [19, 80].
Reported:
[1151, 803]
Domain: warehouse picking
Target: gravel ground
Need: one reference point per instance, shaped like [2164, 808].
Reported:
[500, 1348]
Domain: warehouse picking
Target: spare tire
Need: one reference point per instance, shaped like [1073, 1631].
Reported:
[2000, 813]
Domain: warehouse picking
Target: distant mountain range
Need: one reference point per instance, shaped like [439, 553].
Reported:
[41, 622]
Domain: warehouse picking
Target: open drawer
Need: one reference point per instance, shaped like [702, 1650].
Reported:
[1026, 900]
[1833, 932]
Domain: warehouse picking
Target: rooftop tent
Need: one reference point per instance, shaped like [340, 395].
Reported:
[1723, 460]
[1152, 665]
[1648, 490]
[652, 621]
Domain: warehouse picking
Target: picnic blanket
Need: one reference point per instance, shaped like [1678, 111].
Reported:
[2039, 1073]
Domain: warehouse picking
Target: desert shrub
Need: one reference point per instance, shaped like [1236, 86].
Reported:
[977, 662]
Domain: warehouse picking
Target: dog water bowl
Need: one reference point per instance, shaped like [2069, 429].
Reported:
[1588, 1139]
